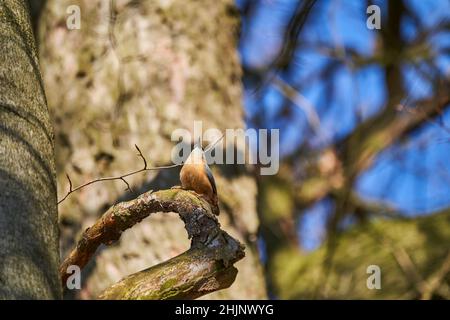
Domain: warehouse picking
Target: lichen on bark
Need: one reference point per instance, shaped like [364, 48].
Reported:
[29, 251]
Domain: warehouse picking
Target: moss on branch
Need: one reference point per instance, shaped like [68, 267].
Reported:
[205, 267]
[188, 276]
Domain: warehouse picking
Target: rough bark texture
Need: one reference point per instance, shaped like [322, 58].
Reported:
[205, 268]
[187, 276]
[134, 72]
[29, 253]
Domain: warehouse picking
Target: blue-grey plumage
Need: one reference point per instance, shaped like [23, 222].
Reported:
[197, 176]
[210, 177]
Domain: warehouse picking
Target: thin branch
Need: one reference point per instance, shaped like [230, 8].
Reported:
[367, 207]
[380, 132]
[70, 182]
[121, 177]
[142, 156]
[357, 152]
[214, 144]
[300, 101]
[209, 260]
[292, 33]
[128, 185]
[287, 51]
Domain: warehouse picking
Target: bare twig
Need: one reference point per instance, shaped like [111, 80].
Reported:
[215, 142]
[128, 185]
[70, 182]
[121, 177]
[142, 156]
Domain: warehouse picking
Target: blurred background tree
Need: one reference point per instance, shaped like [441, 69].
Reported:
[364, 141]
[364, 134]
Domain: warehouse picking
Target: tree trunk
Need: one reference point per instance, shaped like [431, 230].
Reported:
[29, 253]
[133, 73]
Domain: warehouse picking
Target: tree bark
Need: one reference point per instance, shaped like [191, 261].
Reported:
[206, 267]
[133, 73]
[29, 250]
[174, 279]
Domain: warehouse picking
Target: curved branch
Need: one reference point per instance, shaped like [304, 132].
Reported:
[205, 267]
[187, 276]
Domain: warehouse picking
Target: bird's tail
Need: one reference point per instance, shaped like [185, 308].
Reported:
[215, 205]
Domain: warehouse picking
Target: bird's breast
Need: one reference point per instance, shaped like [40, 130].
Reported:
[193, 177]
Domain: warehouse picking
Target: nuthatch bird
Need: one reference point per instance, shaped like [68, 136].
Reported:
[195, 175]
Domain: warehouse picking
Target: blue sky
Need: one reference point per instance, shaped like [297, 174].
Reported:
[414, 175]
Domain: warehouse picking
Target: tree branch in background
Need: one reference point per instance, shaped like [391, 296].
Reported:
[290, 44]
[300, 101]
[207, 266]
[378, 133]
[339, 165]
[292, 33]
[437, 280]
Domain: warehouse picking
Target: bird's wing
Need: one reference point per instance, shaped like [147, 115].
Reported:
[211, 178]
